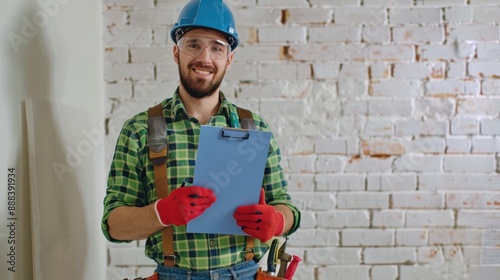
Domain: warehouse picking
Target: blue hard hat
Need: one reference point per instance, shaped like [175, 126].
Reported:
[214, 14]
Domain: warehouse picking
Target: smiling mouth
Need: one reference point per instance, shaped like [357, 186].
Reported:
[202, 72]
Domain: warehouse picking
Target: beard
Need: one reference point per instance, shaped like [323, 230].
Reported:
[200, 88]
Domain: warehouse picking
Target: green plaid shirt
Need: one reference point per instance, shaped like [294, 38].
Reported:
[131, 183]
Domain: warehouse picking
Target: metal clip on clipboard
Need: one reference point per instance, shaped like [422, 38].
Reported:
[235, 133]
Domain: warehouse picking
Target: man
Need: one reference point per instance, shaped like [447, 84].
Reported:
[205, 38]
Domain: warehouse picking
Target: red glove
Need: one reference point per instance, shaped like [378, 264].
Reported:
[261, 221]
[183, 205]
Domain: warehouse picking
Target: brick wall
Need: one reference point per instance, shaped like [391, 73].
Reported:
[387, 113]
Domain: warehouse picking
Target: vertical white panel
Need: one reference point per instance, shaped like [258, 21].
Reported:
[63, 149]
[51, 54]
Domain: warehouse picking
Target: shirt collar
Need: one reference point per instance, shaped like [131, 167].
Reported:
[179, 111]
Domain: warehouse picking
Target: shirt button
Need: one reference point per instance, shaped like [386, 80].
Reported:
[212, 243]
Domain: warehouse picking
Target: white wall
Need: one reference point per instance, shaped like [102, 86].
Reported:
[51, 54]
[387, 113]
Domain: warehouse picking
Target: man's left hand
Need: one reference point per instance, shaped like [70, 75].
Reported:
[261, 221]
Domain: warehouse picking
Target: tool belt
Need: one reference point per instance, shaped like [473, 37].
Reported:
[261, 275]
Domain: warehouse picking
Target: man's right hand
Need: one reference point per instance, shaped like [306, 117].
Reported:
[183, 205]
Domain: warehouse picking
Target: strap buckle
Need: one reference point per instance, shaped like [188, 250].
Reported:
[169, 257]
[158, 158]
[169, 260]
[249, 253]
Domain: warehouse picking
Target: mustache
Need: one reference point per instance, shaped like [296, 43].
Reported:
[202, 66]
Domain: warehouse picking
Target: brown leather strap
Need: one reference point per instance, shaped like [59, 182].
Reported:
[250, 249]
[244, 114]
[159, 159]
[160, 171]
[247, 122]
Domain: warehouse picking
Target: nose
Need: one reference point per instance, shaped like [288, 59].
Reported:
[205, 54]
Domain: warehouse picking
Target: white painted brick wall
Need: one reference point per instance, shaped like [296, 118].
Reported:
[387, 114]
[415, 16]
[418, 34]
[125, 36]
[358, 200]
[335, 255]
[344, 219]
[360, 15]
[335, 34]
[411, 237]
[282, 34]
[491, 87]
[367, 237]
[344, 272]
[150, 54]
[430, 218]
[473, 164]
[455, 236]
[384, 272]
[391, 182]
[399, 255]
[309, 16]
[430, 255]
[420, 199]
[481, 145]
[314, 237]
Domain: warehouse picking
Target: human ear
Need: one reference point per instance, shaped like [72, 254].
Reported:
[229, 61]
[175, 52]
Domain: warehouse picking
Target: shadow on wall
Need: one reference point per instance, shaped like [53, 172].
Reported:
[18, 264]
[58, 221]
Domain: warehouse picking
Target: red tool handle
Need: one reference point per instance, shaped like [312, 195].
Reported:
[292, 267]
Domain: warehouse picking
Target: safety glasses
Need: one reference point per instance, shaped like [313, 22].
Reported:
[195, 46]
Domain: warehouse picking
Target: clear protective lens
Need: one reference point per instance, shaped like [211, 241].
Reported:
[195, 46]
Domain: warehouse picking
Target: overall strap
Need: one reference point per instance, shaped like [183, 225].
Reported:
[247, 122]
[246, 119]
[158, 152]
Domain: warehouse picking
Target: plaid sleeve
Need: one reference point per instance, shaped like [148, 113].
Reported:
[124, 183]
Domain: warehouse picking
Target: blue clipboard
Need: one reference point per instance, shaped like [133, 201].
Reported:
[231, 162]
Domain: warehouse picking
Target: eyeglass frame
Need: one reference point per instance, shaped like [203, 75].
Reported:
[208, 43]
